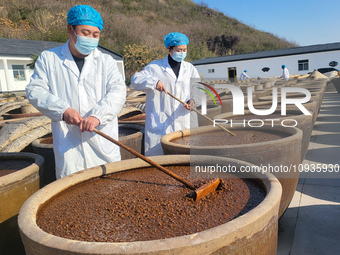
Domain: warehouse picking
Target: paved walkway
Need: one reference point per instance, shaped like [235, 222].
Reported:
[311, 224]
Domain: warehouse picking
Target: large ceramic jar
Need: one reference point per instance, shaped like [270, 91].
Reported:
[294, 117]
[255, 232]
[274, 154]
[19, 179]
[44, 147]
[20, 183]
[132, 136]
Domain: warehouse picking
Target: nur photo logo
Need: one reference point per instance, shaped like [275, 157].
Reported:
[239, 102]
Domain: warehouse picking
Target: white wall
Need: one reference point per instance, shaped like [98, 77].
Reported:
[254, 66]
[121, 69]
[7, 81]
[3, 83]
[9, 84]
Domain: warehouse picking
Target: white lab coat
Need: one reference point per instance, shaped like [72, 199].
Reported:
[99, 91]
[164, 114]
[244, 76]
[285, 74]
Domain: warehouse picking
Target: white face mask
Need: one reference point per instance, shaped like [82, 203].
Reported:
[85, 45]
[179, 56]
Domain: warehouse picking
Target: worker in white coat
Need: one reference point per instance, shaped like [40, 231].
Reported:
[79, 88]
[244, 76]
[171, 74]
[285, 73]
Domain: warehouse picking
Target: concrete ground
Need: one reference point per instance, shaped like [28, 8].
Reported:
[311, 224]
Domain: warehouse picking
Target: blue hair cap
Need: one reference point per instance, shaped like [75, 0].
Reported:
[283, 66]
[175, 39]
[245, 71]
[84, 15]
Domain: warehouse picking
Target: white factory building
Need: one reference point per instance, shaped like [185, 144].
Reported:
[298, 60]
[16, 54]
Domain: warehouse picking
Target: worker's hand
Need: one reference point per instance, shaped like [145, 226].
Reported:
[160, 87]
[72, 117]
[88, 124]
[190, 105]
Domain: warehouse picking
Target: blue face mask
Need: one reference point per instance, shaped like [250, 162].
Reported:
[85, 45]
[179, 56]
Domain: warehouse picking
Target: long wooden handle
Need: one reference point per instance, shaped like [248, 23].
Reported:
[198, 112]
[137, 154]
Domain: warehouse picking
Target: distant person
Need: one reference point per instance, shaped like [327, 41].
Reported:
[285, 73]
[171, 74]
[79, 88]
[244, 76]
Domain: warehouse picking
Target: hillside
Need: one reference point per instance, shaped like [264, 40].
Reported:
[136, 28]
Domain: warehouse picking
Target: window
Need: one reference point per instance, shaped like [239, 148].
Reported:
[19, 72]
[303, 65]
[333, 63]
[211, 70]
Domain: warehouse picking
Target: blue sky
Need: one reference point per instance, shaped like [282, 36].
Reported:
[304, 22]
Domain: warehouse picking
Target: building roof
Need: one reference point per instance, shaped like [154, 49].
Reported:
[27, 48]
[270, 54]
